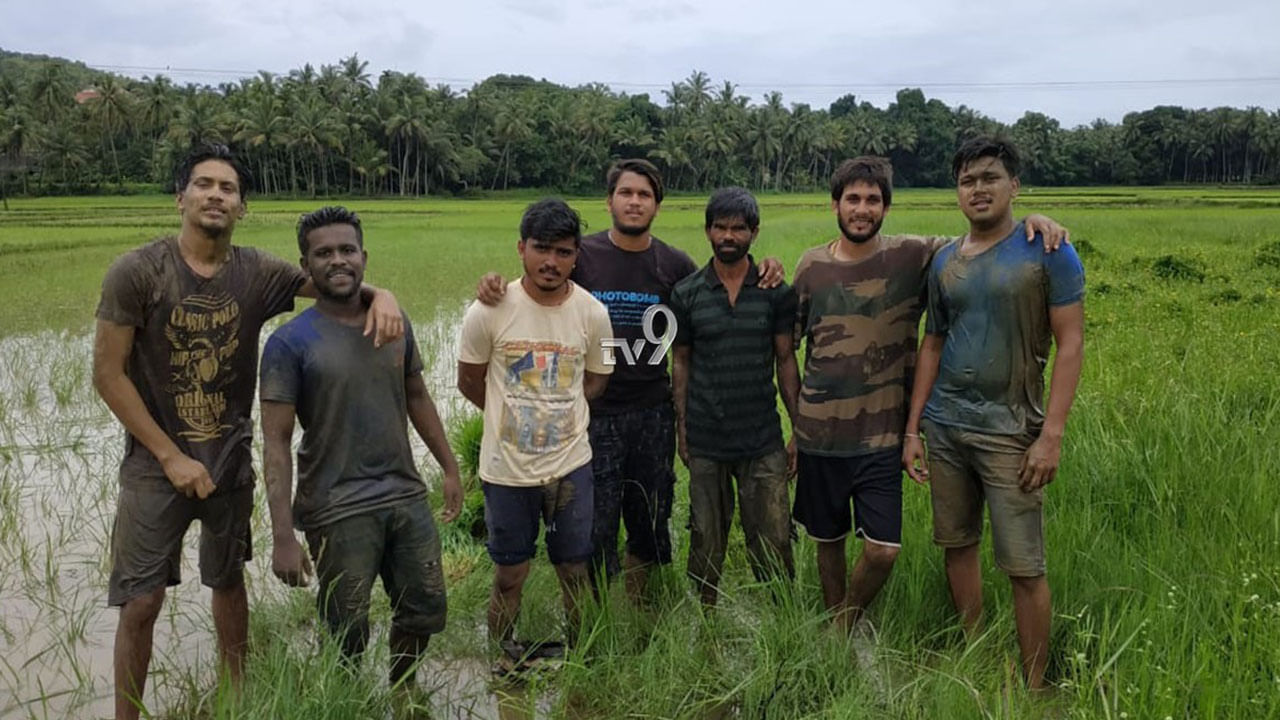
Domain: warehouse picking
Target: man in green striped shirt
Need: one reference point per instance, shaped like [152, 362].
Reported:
[731, 335]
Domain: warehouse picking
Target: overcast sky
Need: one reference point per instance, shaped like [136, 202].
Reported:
[1075, 60]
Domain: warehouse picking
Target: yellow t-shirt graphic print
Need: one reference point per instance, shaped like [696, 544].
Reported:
[203, 333]
[535, 416]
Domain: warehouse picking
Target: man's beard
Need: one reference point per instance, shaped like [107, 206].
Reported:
[632, 230]
[857, 238]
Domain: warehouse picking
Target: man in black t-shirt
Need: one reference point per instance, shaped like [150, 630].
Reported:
[633, 424]
[174, 358]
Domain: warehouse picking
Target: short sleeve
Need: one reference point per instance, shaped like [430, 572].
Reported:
[412, 357]
[600, 329]
[278, 283]
[476, 345]
[281, 371]
[1066, 276]
[124, 293]
[784, 311]
[680, 314]
[936, 321]
[801, 288]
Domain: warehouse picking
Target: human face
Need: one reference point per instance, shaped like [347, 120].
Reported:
[548, 263]
[632, 204]
[211, 200]
[860, 211]
[730, 238]
[986, 191]
[335, 261]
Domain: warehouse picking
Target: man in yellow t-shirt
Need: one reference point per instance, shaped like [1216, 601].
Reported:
[531, 363]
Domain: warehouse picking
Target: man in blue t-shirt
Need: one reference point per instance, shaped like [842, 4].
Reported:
[360, 499]
[995, 304]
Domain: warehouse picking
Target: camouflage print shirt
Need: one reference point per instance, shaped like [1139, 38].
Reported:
[860, 322]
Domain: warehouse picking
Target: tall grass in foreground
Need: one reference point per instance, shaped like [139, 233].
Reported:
[1163, 528]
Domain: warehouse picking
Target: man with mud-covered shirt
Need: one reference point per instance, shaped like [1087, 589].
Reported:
[175, 355]
[860, 297]
[632, 432]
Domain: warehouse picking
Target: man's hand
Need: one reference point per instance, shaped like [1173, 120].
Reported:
[491, 289]
[452, 499]
[791, 457]
[384, 320]
[189, 476]
[289, 561]
[914, 460]
[682, 444]
[1040, 463]
[772, 274]
[1051, 232]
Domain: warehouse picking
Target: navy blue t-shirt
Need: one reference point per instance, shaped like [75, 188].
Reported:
[350, 400]
[993, 309]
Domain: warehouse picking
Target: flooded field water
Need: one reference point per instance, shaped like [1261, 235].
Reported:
[59, 452]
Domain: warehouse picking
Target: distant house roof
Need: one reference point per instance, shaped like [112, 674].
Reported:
[86, 95]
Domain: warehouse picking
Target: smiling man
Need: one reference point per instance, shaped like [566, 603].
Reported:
[860, 301]
[531, 363]
[360, 499]
[732, 335]
[995, 307]
[175, 357]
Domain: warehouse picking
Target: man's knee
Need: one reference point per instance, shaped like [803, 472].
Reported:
[880, 556]
[508, 579]
[142, 610]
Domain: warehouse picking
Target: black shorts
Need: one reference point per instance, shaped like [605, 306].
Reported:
[513, 514]
[873, 482]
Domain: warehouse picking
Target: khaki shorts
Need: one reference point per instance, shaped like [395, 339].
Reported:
[966, 468]
[146, 541]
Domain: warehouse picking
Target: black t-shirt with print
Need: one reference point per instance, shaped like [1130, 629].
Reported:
[628, 283]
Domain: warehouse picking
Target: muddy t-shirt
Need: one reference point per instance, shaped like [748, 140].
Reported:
[860, 319]
[628, 283]
[350, 400]
[993, 310]
[195, 350]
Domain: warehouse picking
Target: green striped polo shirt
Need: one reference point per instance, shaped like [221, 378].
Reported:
[731, 409]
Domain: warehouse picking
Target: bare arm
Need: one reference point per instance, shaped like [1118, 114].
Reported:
[789, 385]
[1052, 234]
[927, 359]
[491, 288]
[1040, 464]
[288, 560]
[426, 420]
[471, 382]
[680, 395]
[593, 384]
[112, 345]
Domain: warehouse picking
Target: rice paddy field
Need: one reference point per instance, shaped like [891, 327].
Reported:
[1163, 527]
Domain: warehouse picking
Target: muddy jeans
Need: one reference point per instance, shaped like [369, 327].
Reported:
[398, 543]
[766, 515]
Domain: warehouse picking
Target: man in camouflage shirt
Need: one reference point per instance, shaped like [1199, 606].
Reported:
[860, 298]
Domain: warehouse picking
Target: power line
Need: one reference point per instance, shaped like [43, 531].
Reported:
[940, 85]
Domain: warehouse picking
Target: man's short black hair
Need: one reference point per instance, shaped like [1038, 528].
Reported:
[997, 146]
[549, 220]
[328, 215]
[638, 166]
[867, 168]
[733, 202]
[211, 151]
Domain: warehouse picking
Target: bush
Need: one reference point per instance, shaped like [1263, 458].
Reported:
[1176, 267]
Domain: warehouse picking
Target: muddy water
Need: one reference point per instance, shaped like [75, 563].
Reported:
[59, 452]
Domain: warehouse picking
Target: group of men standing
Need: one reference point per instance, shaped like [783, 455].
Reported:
[581, 420]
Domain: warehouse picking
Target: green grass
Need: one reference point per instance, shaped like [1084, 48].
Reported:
[1163, 531]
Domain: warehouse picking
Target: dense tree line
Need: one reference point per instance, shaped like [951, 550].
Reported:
[67, 129]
